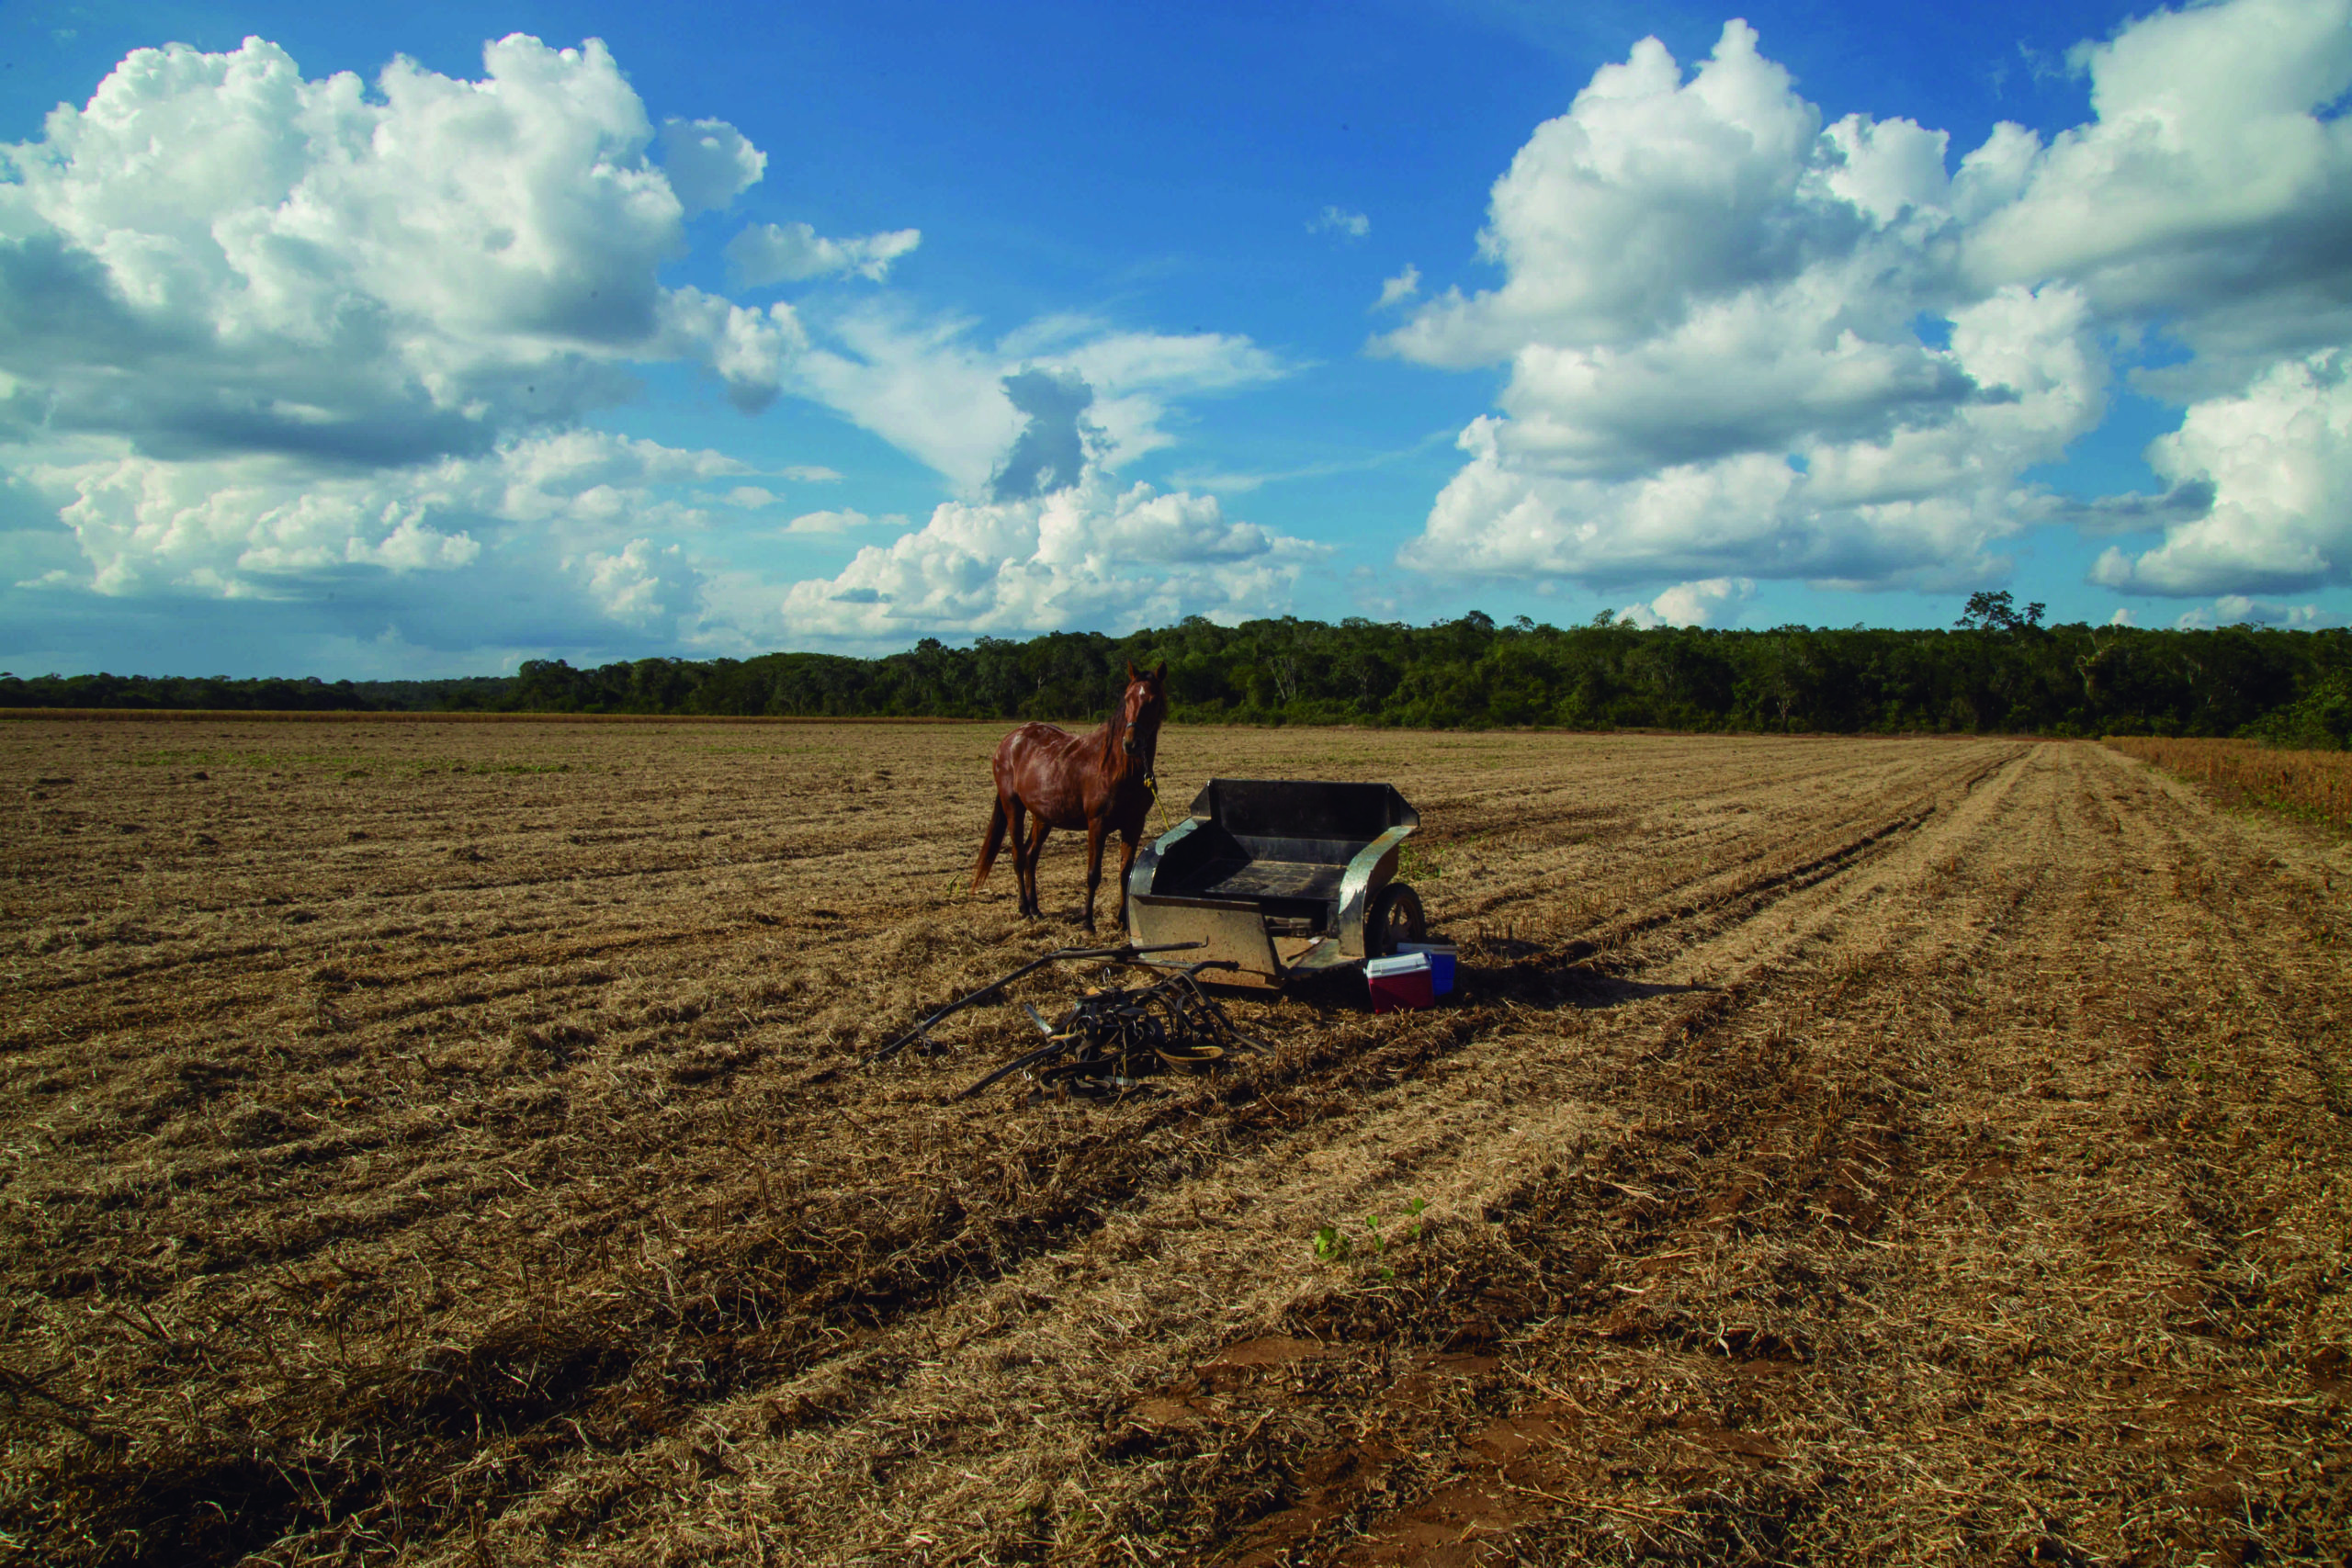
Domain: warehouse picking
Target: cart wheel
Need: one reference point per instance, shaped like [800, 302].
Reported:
[1395, 916]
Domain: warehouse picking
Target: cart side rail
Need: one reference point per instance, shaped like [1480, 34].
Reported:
[1304, 808]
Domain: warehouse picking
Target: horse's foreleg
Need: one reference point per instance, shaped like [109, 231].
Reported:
[1096, 831]
[1126, 864]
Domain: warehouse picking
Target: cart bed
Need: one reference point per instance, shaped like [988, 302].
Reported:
[1276, 879]
[1267, 857]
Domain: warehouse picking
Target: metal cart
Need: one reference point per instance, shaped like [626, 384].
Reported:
[1279, 877]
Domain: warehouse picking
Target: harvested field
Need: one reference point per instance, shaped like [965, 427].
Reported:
[443, 1143]
[2314, 783]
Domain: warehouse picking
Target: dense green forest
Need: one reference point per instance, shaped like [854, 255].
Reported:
[1998, 671]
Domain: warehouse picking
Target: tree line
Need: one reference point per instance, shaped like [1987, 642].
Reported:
[2000, 670]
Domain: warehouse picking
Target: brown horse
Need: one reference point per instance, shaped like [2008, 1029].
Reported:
[1101, 780]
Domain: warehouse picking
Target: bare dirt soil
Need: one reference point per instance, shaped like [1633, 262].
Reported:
[443, 1144]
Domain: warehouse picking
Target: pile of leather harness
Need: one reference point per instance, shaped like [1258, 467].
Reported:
[1114, 1036]
[1106, 1044]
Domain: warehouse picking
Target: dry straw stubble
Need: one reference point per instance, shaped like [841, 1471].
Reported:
[440, 1143]
[2316, 782]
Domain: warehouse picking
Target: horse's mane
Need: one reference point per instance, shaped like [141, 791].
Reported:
[1113, 727]
[1115, 757]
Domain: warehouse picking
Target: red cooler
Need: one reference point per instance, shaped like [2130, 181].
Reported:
[1403, 981]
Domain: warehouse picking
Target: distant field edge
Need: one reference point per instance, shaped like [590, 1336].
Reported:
[406, 715]
[2314, 786]
[379, 715]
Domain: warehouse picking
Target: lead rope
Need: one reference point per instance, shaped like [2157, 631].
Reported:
[1151, 786]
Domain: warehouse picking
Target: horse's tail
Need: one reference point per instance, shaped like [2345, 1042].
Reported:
[989, 845]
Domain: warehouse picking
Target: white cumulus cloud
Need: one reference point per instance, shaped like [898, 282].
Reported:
[709, 162]
[1742, 341]
[297, 341]
[260, 526]
[1397, 290]
[839, 522]
[1922, 505]
[2213, 191]
[1699, 604]
[2238, 609]
[1092, 553]
[933, 389]
[1339, 221]
[642, 584]
[276, 338]
[1647, 196]
[2275, 462]
[322, 274]
[793, 253]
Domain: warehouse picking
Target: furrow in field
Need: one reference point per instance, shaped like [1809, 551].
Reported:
[1099, 1203]
[1987, 1250]
[594, 1231]
[1739, 879]
[1216, 1246]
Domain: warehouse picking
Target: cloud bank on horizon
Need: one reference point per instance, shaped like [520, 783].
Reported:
[1743, 341]
[275, 340]
[263, 334]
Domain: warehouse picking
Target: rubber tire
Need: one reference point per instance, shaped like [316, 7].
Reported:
[1380, 937]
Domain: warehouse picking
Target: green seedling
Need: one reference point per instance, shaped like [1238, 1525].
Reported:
[1333, 1244]
[1419, 863]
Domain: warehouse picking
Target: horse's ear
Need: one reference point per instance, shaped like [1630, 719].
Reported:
[1161, 675]
[1132, 677]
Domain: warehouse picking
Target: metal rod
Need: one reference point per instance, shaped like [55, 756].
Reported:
[1126, 953]
[1053, 1047]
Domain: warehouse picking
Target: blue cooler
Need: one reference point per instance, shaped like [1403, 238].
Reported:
[1441, 956]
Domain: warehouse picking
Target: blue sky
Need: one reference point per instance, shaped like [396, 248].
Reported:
[379, 347]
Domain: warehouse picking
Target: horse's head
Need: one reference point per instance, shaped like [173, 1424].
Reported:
[1141, 710]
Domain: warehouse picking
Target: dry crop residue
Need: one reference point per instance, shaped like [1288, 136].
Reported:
[2314, 783]
[442, 1144]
